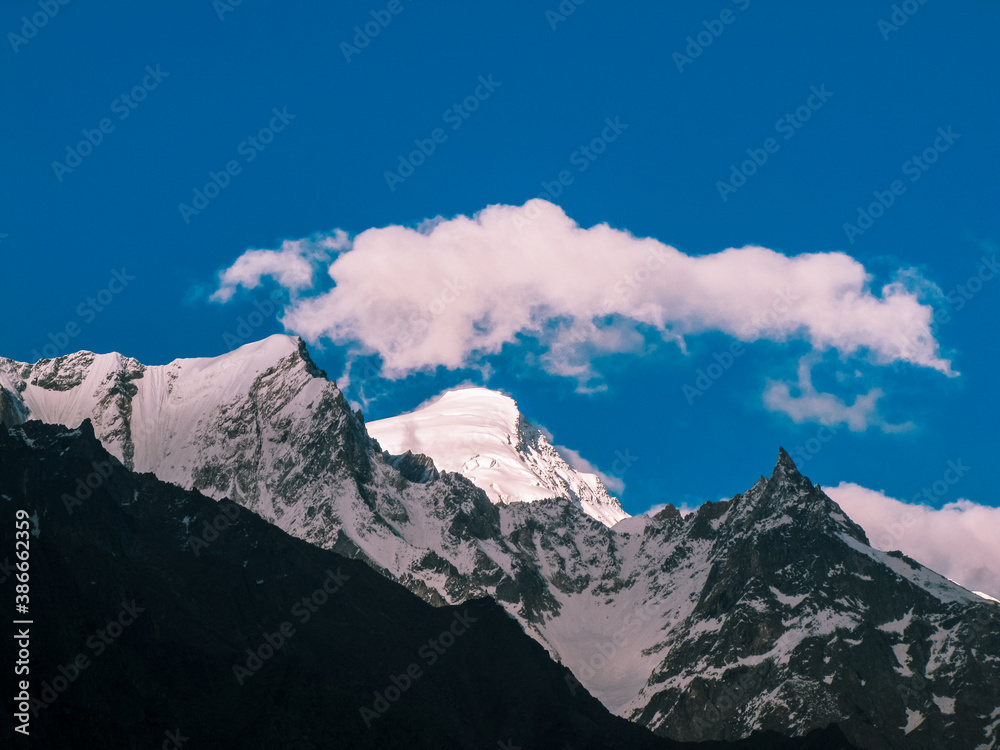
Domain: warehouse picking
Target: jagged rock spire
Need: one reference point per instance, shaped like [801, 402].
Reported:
[785, 471]
[785, 461]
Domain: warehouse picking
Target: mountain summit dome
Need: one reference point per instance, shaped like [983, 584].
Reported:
[479, 433]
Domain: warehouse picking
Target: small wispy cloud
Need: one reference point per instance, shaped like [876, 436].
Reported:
[826, 408]
[293, 266]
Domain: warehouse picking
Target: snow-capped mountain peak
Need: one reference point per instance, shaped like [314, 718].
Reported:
[147, 416]
[479, 433]
[770, 603]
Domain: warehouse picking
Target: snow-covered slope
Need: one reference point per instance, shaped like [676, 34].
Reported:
[264, 426]
[480, 434]
[148, 417]
[796, 615]
[767, 611]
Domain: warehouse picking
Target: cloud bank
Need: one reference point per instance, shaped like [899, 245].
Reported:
[961, 540]
[453, 292]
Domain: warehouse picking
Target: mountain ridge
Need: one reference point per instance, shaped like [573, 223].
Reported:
[234, 643]
[767, 605]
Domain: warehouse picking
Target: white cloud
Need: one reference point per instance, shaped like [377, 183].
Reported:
[454, 291]
[826, 408]
[292, 266]
[961, 540]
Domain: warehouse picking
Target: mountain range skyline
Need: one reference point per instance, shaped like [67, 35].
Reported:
[663, 618]
[659, 337]
[129, 274]
[957, 540]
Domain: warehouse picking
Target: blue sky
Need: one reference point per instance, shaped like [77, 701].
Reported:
[831, 103]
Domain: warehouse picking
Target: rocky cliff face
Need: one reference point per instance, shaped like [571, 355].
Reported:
[766, 611]
[251, 638]
[799, 618]
[264, 427]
